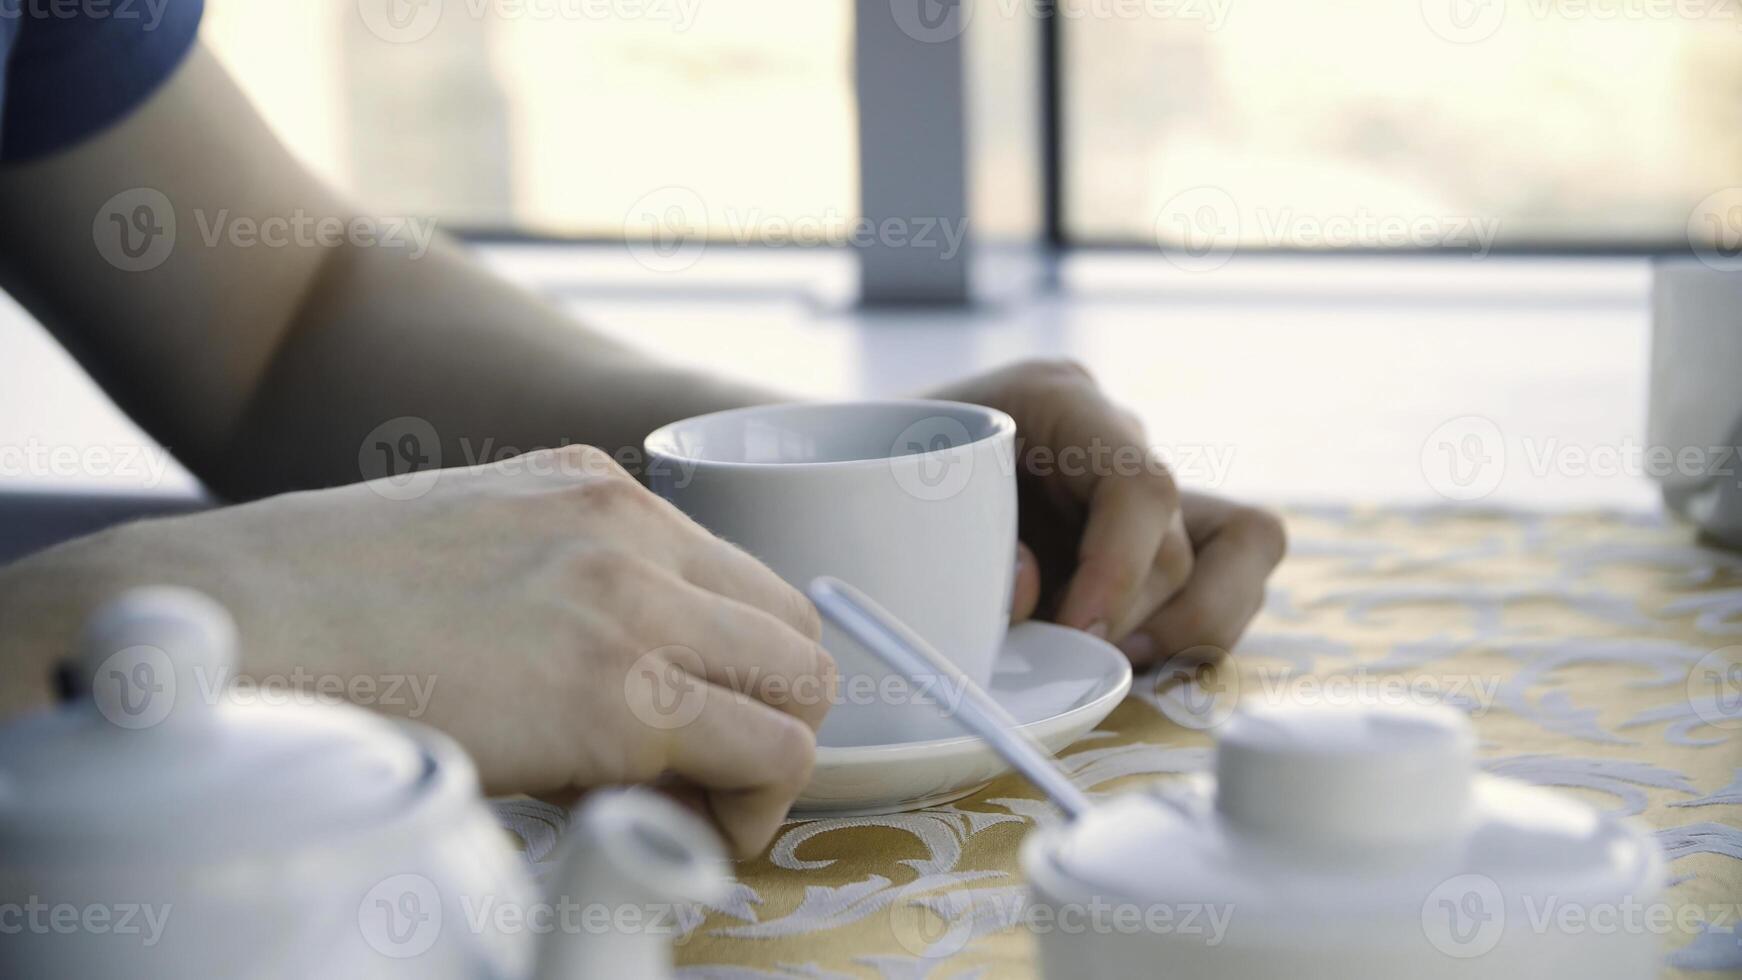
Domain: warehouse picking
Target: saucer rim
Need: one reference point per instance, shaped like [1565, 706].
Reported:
[840, 755]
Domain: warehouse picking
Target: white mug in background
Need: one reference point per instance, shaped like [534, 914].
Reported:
[914, 502]
[1696, 392]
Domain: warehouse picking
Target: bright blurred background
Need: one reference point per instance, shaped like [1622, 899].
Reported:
[1587, 124]
[1214, 190]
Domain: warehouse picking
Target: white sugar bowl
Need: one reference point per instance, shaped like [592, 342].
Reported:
[1345, 843]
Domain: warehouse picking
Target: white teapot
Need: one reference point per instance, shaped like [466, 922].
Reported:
[157, 824]
[1345, 843]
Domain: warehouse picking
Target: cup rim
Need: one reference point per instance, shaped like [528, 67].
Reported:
[661, 443]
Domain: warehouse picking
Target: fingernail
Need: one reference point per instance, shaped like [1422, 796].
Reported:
[1139, 647]
[1098, 629]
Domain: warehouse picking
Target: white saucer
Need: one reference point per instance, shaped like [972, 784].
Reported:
[1057, 683]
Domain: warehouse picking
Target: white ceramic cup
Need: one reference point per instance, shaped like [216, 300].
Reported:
[914, 502]
[1696, 400]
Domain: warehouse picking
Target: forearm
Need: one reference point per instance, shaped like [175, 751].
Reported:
[491, 369]
[263, 366]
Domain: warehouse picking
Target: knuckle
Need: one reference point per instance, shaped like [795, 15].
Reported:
[803, 616]
[612, 578]
[826, 668]
[1264, 529]
[792, 752]
[1174, 561]
[1192, 626]
[1119, 574]
[644, 754]
[609, 493]
[592, 566]
[584, 460]
[1063, 369]
[1208, 653]
[1158, 481]
[812, 695]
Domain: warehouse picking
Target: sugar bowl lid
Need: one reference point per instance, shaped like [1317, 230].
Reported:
[1323, 818]
[153, 743]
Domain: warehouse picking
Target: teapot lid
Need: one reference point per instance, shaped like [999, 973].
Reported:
[1317, 814]
[153, 743]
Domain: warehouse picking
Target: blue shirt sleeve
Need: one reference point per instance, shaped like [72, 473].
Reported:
[75, 67]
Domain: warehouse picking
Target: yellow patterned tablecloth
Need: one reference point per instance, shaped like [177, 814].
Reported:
[1594, 653]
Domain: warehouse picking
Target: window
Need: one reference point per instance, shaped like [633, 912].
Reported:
[1422, 123]
[559, 117]
[1211, 124]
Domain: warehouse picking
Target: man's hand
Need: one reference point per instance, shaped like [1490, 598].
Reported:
[570, 628]
[1109, 544]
